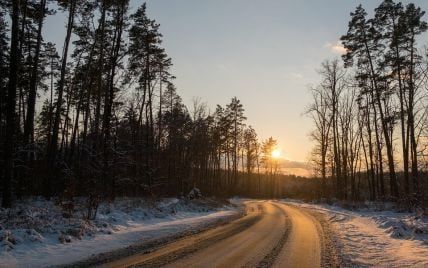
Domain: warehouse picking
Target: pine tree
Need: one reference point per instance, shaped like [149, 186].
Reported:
[9, 140]
[148, 65]
[362, 43]
[53, 146]
[35, 76]
[236, 116]
[411, 26]
[4, 65]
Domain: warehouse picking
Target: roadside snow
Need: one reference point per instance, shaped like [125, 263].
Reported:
[370, 238]
[35, 233]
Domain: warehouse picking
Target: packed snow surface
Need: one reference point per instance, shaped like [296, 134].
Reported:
[37, 233]
[377, 236]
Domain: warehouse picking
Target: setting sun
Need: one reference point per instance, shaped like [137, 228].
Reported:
[276, 153]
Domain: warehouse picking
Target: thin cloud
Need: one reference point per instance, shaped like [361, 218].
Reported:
[223, 68]
[294, 164]
[336, 48]
[296, 75]
[295, 167]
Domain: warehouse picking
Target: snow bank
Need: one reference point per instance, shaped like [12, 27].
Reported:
[37, 233]
[372, 238]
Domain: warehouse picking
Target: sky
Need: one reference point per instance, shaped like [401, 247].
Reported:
[266, 53]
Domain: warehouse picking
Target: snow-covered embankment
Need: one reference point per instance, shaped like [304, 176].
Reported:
[35, 233]
[372, 237]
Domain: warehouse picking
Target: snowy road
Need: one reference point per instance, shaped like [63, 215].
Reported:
[271, 234]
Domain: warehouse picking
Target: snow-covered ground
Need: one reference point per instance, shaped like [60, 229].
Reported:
[35, 233]
[372, 237]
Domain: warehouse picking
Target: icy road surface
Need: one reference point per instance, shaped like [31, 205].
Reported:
[271, 234]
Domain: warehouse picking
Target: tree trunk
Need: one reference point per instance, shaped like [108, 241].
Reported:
[100, 76]
[388, 143]
[53, 147]
[109, 98]
[31, 102]
[10, 107]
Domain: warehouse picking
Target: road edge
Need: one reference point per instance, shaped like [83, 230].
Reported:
[330, 253]
[151, 244]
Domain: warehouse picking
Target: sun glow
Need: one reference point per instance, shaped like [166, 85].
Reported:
[276, 153]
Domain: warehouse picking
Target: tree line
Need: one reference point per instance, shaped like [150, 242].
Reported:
[101, 117]
[370, 111]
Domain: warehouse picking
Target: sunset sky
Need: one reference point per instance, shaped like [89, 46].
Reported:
[264, 52]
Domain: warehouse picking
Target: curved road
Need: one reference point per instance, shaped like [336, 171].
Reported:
[271, 234]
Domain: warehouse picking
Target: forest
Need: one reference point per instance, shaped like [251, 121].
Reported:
[100, 116]
[106, 160]
[370, 110]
